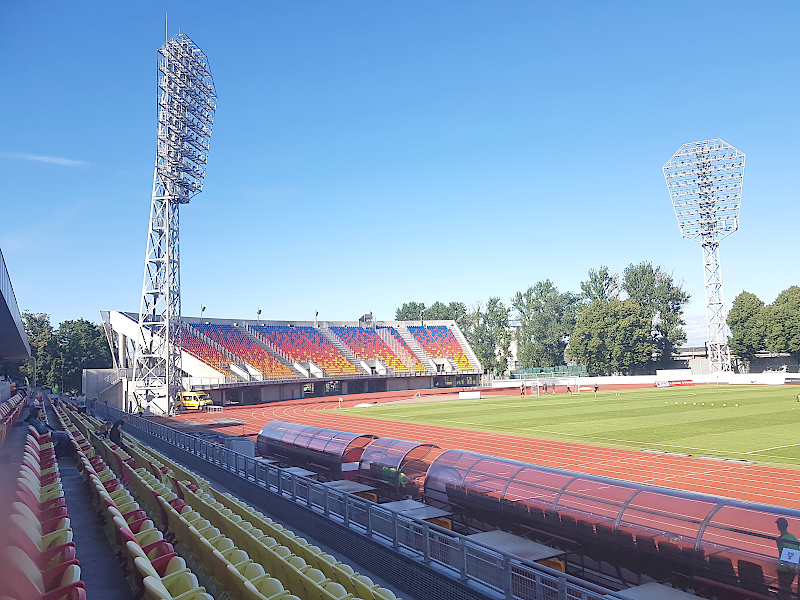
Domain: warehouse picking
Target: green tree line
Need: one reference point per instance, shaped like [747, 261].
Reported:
[61, 353]
[617, 322]
[757, 327]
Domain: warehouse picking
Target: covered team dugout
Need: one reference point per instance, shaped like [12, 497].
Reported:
[692, 539]
[395, 467]
[329, 452]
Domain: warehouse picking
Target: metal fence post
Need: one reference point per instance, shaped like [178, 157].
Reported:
[506, 574]
[426, 543]
[395, 536]
[562, 588]
[462, 567]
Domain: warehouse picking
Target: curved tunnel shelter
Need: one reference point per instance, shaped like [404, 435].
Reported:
[327, 451]
[660, 532]
[396, 467]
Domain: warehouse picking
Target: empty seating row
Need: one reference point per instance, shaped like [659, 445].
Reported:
[238, 343]
[39, 563]
[296, 562]
[153, 569]
[251, 558]
[438, 341]
[198, 347]
[304, 344]
[401, 343]
[366, 344]
[9, 413]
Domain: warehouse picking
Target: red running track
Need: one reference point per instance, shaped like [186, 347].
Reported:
[769, 485]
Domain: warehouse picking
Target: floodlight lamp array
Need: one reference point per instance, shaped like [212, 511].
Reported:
[187, 102]
[705, 180]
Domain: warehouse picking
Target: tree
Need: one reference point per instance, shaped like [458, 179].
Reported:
[410, 311]
[613, 336]
[486, 330]
[748, 326]
[783, 323]
[546, 320]
[601, 285]
[81, 345]
[438, 311]
[44, 347]
[663, 299]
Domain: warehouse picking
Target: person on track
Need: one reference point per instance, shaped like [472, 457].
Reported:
[787, 561]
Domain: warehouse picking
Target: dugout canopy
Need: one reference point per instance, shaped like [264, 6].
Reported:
[327, 451]
[397, 467]
[706, 531]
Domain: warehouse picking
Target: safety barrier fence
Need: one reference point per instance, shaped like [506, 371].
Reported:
[497, 574]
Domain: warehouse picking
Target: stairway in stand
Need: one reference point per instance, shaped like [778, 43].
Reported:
[341, 347]
[462, 341]
[281, 357]
[412, 343]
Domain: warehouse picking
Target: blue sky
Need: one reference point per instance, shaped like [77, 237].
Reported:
[366, 154]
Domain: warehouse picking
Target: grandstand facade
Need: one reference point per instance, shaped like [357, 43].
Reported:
[243, 361]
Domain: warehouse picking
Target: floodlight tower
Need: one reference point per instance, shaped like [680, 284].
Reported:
[187, 102]
[705, 181]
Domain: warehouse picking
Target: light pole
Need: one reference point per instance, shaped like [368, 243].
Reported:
[258, 317]
[705, 180]
[202, 309]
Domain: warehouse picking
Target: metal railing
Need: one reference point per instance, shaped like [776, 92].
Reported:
[496, 573]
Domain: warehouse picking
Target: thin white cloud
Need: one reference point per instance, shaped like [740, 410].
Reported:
[53, 160]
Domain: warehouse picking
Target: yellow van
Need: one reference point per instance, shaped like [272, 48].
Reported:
[194, 400]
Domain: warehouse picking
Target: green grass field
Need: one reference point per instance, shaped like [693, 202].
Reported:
[763, 428]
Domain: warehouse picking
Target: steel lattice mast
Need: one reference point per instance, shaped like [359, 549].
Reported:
[186, 105]
[705, 181]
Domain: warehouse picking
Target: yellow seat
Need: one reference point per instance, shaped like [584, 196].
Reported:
[383, 594]
[145, 567]
[238, 575]
[220, 562]
[43, 542]
[145, 536]
[22, 509]
[248, 540]
[43, 493]
[363, 586]
[269, 588]
[20, 565]
[336, 590]
[175, 565]
[155, 590]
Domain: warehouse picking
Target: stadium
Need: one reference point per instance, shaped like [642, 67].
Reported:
[244, 362]
[231, 458]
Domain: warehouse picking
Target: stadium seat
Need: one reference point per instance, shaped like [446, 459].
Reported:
[438, 341]
[306, 344]
[155, 590]
[25, 580]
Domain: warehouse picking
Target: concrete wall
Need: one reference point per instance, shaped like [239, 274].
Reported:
[272, 393]
[409, 383]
